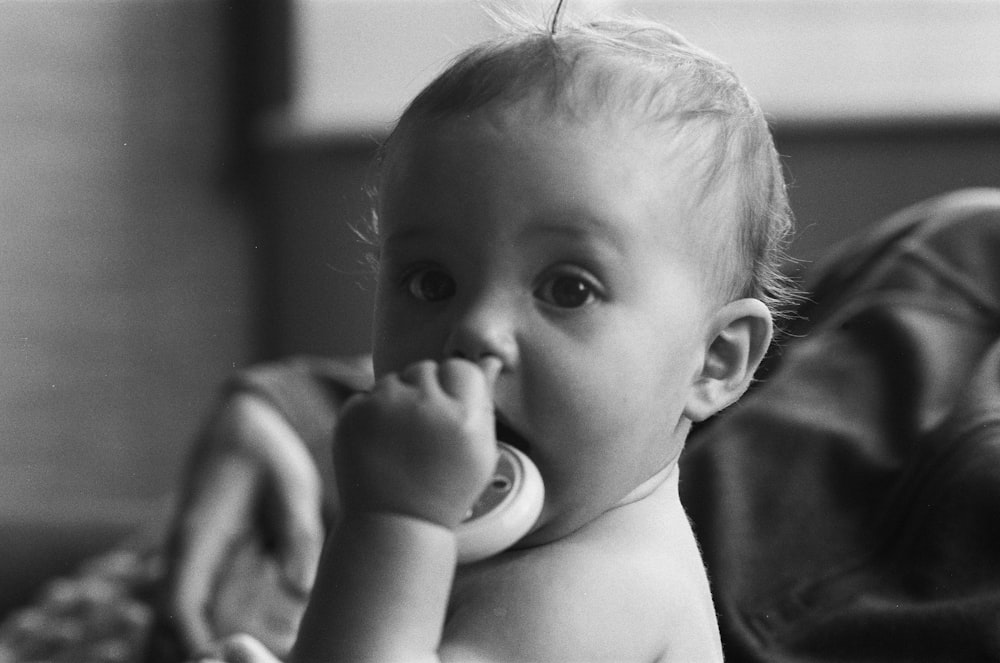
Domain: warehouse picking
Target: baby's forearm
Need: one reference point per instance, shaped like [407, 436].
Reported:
[381, 592]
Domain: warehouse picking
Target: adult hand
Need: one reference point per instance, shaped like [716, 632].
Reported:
[240, 648]
[247, 538]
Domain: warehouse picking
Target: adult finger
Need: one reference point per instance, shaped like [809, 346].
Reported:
[297, 504]
[212, 521]
[243, 648]
[293, 493]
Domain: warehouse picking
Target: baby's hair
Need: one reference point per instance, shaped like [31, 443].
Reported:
[556, 15]
[643, 71]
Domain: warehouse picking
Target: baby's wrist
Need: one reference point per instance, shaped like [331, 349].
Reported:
[441, 508]
[383, 521]
[404, 534]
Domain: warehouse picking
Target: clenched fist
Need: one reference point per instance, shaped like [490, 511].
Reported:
[422, 443]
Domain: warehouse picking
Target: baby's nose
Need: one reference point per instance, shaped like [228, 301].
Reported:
[481, 334]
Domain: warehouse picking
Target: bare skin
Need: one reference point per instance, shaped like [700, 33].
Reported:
[595, 615]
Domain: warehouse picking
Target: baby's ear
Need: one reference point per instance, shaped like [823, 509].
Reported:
[742, 333]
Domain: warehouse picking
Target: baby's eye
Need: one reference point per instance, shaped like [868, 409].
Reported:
[430, 285]
[567, 291]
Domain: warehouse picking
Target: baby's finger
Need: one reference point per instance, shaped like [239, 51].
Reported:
[468, 382]
[420, 374]
[491, 365]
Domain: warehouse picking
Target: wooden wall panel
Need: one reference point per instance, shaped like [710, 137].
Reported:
[124, 261]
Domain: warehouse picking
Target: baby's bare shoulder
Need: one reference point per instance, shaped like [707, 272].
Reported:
[580, 599]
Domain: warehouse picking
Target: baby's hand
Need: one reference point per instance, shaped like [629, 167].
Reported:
[421, 443]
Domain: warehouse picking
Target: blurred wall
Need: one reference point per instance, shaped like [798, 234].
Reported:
[843, 178]
[125, 258]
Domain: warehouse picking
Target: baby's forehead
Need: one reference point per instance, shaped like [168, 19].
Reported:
[688, 143]
[651, 151]
[671, 151]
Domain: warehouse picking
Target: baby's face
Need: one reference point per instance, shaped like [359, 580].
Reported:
[565, 248]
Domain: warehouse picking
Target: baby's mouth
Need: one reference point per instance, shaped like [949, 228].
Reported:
[505, 433]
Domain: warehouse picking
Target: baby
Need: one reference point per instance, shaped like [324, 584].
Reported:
[578, 237]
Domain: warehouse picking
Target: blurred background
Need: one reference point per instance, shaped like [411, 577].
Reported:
[179, 180]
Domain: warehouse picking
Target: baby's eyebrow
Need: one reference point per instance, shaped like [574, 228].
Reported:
[578, 228]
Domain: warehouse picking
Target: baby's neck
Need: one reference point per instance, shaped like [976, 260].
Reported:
[650, 514]
[664, 481]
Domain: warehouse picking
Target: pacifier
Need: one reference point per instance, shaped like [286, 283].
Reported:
[505, 511]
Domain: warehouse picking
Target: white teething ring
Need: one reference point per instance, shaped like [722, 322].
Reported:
[505, 511]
